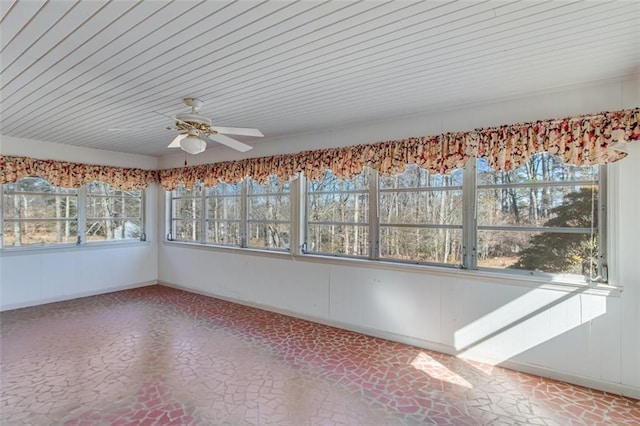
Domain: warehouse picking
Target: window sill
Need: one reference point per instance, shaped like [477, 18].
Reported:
[492, 277]
[279, 254]
[57, 248]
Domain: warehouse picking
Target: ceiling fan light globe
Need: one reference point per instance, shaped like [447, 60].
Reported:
[192, 145]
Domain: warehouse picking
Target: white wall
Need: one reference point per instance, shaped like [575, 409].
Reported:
[582, 337]
[33, 277]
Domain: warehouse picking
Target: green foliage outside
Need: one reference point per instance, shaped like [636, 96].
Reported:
[565, 251]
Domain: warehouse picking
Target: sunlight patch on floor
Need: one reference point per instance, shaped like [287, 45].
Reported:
[436, 370]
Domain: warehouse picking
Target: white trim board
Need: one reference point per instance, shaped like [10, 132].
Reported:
[74, 296]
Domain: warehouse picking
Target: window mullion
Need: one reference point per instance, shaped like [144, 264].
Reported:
[469, 213]
[204, 212]
[603, 268]
[81, 206]
[168, 217]
[244, 213]
[297, 214]
[374, 217]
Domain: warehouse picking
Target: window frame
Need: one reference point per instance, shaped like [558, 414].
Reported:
[3, 192]
[424, 189]
[239, 221]
[602, 272]
[244, 221]
[372, 241]
[81, 221]
[247, 195]
[300, 222]
[84, 190]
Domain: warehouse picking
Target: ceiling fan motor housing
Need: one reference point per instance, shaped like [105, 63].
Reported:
[186, 121]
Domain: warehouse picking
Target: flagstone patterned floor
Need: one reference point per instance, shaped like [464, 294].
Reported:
[160, 356]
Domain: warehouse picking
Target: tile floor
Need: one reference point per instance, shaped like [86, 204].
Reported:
[160, 356]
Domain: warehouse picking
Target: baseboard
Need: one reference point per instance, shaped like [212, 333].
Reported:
[62, 298]
[610, 387]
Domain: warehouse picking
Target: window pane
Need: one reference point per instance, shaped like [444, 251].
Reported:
[181, 191]
[415, 177]
[270, 187]
[417, 197]
[36, 212]
[338, 239]
[17, 233]
[543, 193]
[113, 214]
[224, 208]
[540, 168]
[39, 206]
[186, 230]
[98, 207]
[330, 183]
[103, 230]
[421, 244]
[225, 189]
[567, 253]
[338, 207]
[269, 204]
[566, 206]
[223, 232]
[187, 208]
[269, 235]
[344, 205]
[274, 207]
[224, 214]
[34, 184]
[425, 207]
[100, 188]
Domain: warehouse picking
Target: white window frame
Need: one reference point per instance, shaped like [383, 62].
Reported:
[299, 228]
[246, 196]
[81, 219]
[85, 194]
[243, 222]
[372, 217]
[421, 225]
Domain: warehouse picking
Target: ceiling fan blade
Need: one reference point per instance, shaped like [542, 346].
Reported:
[231, 143]
[243, 131]
[175, 119]
[176, 142]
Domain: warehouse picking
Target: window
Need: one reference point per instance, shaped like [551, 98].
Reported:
[421, 217]
[541, 217]
[113, 214]
[269, 214]
[34, 212]
[246, 214]
[224, 214]
[338, 215]
[186, 209]
[545, 218]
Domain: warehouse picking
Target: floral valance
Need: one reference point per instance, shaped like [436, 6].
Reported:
[582, 140]
[73, 175]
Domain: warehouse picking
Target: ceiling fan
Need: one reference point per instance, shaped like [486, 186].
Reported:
[196, 130]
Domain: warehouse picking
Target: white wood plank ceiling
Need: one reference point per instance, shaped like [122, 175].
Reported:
[72, 70]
